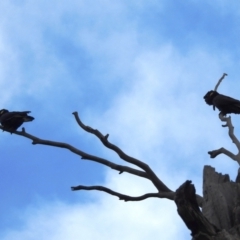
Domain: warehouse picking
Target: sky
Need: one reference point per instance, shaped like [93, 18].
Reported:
[134, 69]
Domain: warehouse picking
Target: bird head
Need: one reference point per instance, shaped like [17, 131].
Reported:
[210, 96]
[3, 111]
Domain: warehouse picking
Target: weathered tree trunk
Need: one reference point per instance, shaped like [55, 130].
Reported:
[220, 215]
[221, 204]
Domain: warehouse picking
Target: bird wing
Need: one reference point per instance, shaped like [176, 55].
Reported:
[14, 115]
[224, 103]
[21, 113]
[224, 100]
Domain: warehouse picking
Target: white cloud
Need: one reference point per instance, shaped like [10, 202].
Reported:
[138, 125]
[104, 219]
[139, 122]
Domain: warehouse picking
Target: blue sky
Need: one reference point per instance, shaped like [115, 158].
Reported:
[137, 70]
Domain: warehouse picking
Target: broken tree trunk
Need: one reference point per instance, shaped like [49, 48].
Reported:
[220, 215]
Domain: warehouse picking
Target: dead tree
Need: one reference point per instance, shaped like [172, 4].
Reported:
[213, 216]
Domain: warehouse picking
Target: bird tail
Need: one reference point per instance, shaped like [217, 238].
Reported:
[28, 119]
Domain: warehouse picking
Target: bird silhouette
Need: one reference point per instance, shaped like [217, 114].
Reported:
[224, 103]
[11, 121]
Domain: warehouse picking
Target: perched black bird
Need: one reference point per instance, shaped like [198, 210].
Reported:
[13, 120]
[224, 103]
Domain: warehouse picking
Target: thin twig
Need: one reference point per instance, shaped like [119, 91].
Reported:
[219, 81]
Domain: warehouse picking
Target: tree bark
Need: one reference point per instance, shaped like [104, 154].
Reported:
[190, 213]
[221, 203]
[220, 215]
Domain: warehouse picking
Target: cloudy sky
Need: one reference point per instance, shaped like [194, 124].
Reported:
[135, 69]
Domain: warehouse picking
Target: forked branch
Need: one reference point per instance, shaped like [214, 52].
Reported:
[235, 157]
[146, 172]
[104, 139]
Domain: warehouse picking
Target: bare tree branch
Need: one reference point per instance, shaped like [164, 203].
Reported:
[222, 150]
[169, 195]
[104, 139]
[163, 190]
[219, 81]
[87, 156]
[230, 130]
[235, 157]
[84, 155]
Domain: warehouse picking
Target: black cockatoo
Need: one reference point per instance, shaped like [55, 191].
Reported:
[11, 121]
[224, 103]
